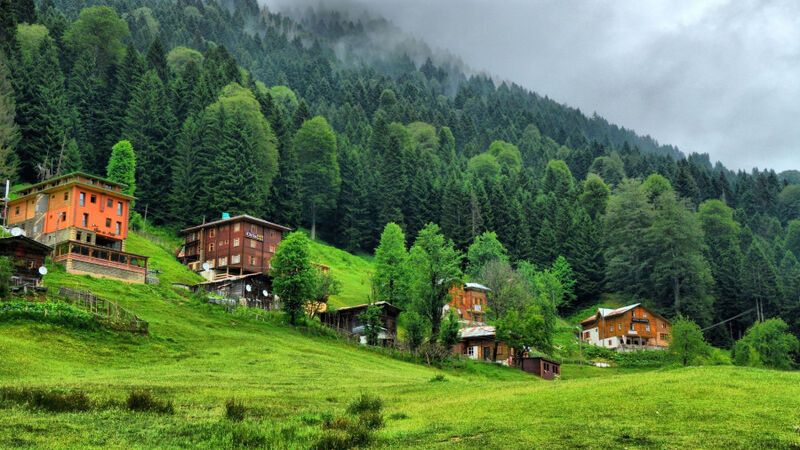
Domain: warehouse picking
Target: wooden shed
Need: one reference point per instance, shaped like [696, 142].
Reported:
[541, 367]
[347, 319]
[27, 256]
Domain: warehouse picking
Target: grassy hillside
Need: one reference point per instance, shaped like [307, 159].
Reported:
[198, 356]
[353, 272]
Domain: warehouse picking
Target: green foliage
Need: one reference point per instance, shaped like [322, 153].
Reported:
[391, 278]
[30, 37]
[180, 56]
[47, 400]
[56, 313]
[435, 269]
[371, 321]
[122, 166]
[485, 249]
[293, 274]
[235, 410]
[416, 329]
[686, 342]
[595, 196]
[449, 332]
[557, 179]
[315, 146]
[767, 344]
[100, 31]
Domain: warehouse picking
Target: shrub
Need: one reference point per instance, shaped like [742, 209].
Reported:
[438, 378]
[140, 400]
[767, 344]
[365, 402]
[235, 410]
[372, 420]
[53, 401]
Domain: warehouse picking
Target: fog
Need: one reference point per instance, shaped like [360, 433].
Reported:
[717, 77]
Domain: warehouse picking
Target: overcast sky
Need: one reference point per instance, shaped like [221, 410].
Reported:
[717, 77]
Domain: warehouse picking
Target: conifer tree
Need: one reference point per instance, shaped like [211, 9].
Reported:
[391, 279]
[122, 166]
[351, 208]
[9, 132]
[315, 146]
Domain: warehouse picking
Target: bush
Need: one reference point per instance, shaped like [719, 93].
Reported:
[235, 410]
[52, 401]
[365, 403]
[57, 313]
[438, 378]
[144, 401]
[767, 344]
[372, 420]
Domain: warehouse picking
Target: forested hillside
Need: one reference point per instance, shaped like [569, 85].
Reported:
[232, 108]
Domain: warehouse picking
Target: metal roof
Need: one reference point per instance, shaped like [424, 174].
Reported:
[245, 217]
[604, 313]
[28, 242]
[476, 286]
[481, 331]
[365, 305]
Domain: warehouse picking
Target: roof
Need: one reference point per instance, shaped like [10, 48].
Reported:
[227, 279]
[477, 287]
[364, 306]
[36, 188]
[481, 331]
[245, 217]
[24, 240]
[605, 313]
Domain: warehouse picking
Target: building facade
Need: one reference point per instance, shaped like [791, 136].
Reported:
[469, 302]
[479, 343]
[632, 327]
[27, 256]
[86, 219]
[231, 246]
[347, 319]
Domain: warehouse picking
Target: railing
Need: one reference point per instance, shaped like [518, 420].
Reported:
[101, 255]
[107, 312]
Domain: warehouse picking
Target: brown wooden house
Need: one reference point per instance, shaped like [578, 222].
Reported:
[632, 327]
[347, 320]
[469, 302]
[231, 246]
[479, 343]
[27, 256]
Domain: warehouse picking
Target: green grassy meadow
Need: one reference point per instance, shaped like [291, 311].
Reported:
[198, 356]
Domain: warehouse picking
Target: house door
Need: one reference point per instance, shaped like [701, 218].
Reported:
[487, 353]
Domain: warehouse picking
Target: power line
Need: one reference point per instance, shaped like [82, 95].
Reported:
[729, 319]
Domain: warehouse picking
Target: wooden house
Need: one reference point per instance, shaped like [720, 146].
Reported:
[469, 302]
[27, 256]
[541, 367]
[86, 219]
[479, 343]
[347, 320]
[253, 290]
[231, 246]
[632, 327]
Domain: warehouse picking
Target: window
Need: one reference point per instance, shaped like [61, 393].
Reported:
[235, 259]
[212, 232]
[619, 326]
[272, 249]
[271, 233]
[36, 228]
[82, 199]
[17, 211]
[647, 328]
[85, 221]
[119, 208]
[252, 243]
[633, 313]
[110, 203]
[211, 247]
[586, 335]
[663, 325]
[88, 237]
[221, 243]
[66, 196]
[663, 336]
[78, 236]
[108, 223]
[632, 328]
[235, 242]
[63, 217]
[644, 314]
[253, 228]
[471, 351]
[119, 228]
[210, 263]
[253, 260]
[223, 261]
[236, 226]
[93, 199]
[611, 328]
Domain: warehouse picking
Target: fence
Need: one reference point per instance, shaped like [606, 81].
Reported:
[105, 311]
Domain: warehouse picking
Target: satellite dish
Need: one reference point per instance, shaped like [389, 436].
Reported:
[43, 270]
[206, 266]
[17, 231]
[446, 308]
[266, 294]
[248, 287]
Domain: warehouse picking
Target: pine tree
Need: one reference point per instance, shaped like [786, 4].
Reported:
[189, 171]
[157, 60]
[351, 208]
[84, 92]
[9, 132]
[149, 125]
[316, 149]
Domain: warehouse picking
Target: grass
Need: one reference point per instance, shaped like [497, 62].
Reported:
[288, 386]
[353, 272]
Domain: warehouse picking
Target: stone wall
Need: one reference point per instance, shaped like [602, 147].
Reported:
[103, 271]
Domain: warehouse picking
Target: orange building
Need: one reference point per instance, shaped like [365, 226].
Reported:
[86, 218]
[469, 302]
[631, 327]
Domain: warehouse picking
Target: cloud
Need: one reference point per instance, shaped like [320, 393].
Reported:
[717, 77]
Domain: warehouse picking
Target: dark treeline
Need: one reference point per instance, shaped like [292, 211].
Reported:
[232, 108]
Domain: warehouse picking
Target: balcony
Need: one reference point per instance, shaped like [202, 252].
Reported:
[102, 261]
